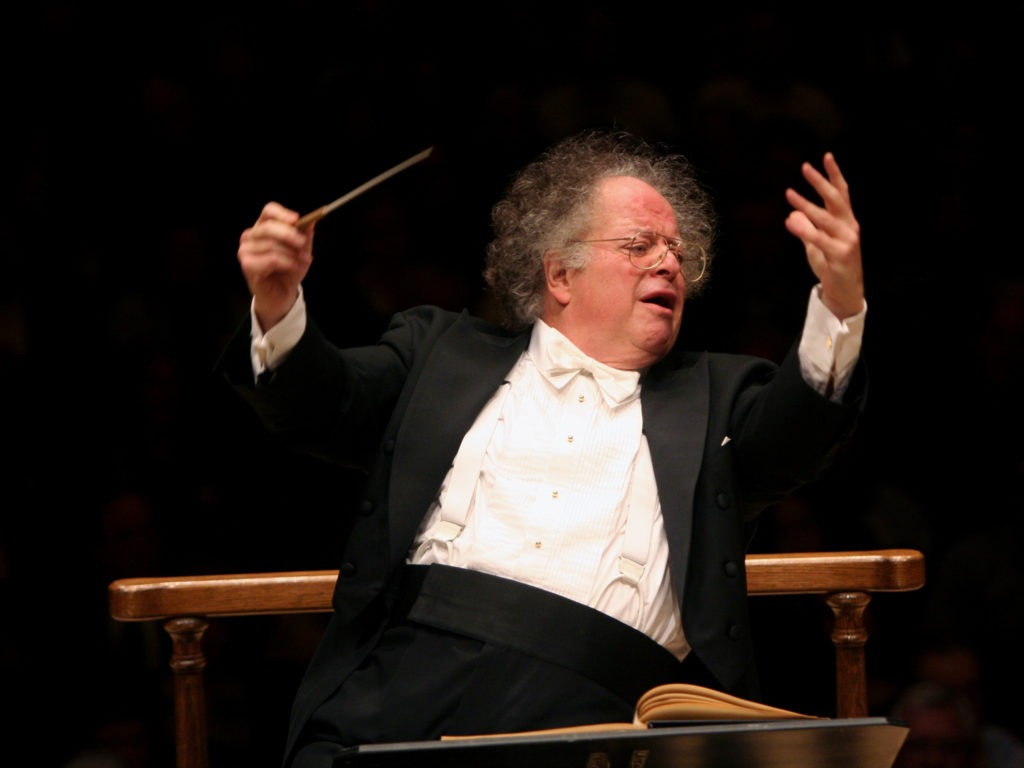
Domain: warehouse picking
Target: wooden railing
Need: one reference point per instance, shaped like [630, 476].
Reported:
[185, 604]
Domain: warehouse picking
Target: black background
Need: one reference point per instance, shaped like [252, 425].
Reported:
[141, 141]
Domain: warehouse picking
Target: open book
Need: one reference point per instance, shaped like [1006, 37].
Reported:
[676, 703]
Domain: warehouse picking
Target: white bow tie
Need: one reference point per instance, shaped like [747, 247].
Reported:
[563, 362]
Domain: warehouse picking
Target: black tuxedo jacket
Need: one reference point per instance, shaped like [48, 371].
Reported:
[728, 434]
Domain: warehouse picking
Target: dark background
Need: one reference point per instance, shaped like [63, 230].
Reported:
[141, 142]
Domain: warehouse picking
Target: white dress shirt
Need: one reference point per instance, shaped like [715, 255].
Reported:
[553, 484]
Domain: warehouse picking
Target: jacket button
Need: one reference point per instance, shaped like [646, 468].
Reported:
[735, 632]
[348, 569]
[366, 507]
[731, 569]
[722, 500]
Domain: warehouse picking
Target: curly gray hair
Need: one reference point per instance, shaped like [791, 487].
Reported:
[549, 203]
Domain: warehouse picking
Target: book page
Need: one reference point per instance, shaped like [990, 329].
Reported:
[682, 701]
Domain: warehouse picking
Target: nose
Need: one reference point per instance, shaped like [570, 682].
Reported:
[670, 265]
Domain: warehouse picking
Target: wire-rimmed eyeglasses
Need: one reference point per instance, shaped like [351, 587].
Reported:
[644, 253]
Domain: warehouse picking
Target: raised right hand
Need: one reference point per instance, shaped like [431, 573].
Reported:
[275, 257]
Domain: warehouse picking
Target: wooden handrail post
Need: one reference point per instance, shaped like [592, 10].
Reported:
[849, 634]
[188, 663]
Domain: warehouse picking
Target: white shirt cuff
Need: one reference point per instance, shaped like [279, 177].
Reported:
[829, 347]
[269, 349]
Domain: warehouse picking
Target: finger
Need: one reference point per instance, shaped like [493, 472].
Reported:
[275, 211]
[838, 220]
[275, 230]
[834, 190]
[815, 241]
[272, 264]
[798, 224]
[835, 175]
[831, 239]
[812, 213]
[834, 199]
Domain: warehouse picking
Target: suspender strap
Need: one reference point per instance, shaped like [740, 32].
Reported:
[465, 472]
[643, 502]
[470, 460]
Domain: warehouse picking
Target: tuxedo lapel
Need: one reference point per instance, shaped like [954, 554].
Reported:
[675, 408]
[464, 369]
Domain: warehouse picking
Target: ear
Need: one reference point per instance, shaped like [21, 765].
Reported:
[557, 277]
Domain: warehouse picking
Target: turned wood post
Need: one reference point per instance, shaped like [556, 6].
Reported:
[188, 662]
[849, 634]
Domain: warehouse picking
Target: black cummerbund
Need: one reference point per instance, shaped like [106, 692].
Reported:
[537, 622]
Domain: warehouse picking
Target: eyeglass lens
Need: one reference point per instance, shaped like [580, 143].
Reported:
[645, 253]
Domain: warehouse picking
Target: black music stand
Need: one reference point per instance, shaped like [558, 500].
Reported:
[869, 742]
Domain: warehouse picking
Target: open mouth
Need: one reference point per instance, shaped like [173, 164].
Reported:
[665, 300]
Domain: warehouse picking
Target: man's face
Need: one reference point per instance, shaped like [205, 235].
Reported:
[615, 312]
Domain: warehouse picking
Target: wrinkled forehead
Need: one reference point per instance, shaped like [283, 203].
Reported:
[627, 205]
